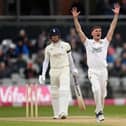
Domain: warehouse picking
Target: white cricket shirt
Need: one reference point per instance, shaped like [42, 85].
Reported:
[96, 53]
[57, 54]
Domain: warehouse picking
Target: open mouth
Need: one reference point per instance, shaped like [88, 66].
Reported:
[98, 35]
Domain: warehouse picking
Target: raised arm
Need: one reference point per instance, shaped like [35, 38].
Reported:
[114, 22]
[77, 24]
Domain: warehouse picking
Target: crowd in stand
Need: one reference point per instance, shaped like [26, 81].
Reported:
[105, 6]
[102, 7]
[24, 56]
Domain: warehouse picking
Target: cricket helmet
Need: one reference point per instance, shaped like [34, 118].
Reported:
[54, 31]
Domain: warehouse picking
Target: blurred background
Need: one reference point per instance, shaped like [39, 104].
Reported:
[24, 26]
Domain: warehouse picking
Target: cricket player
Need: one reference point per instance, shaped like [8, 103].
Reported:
[96, 50]
[58, 53]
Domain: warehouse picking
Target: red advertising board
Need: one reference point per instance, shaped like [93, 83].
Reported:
[16, 95]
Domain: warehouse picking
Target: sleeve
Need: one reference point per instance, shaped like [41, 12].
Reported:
[106, 42]
[72, 65]
[46, 53]
[86, 42]
[45, 62]
[68, 48]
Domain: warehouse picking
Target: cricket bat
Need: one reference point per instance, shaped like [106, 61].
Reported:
[78, 93]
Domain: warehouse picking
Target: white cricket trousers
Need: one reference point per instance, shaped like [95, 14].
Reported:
[98, 79]
[60, 90]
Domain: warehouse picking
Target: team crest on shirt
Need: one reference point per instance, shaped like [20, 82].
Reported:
[96, 50]
[101, 42]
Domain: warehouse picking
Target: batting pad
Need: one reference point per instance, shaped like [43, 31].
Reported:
[63, 101]
[55, 100]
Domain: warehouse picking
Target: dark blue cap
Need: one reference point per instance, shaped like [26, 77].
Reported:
[54, 31]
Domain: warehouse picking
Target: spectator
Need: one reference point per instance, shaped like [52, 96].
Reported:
[42, 39]
[83, 63]
[123, 6]
[117, 40]
[39, 57]
[123, 58]
[72, 34]
[29, 72]
[5, 71]
[73, 44]
[5, 45]
[21, 48]
[26, 41]
[74, 40]
[2, 57]
[11, 51]
[115, 71]
[32, 48]
[20, 63]
[110, 56]
[123, 70]
[23, 36]
[123, 49]
[104, 6]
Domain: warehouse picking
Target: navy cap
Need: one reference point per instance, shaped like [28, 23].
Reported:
[54, 31]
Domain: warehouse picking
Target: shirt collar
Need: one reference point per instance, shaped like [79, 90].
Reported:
[94, 42]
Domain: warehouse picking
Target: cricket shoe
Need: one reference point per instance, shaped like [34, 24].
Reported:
[100, 116]
[55, 117]
[62, 116]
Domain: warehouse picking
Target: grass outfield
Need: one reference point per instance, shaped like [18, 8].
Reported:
[15, 116]
[45, 124]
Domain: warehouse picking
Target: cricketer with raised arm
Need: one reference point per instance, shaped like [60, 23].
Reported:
[96, 50]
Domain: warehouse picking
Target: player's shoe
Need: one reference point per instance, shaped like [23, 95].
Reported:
[62, 116]
[100, 116]
[55, 117]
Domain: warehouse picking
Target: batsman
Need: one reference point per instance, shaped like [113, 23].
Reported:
[58, 54]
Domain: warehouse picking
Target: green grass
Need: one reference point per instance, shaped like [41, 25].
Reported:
[20, 111]
[115, 111]
[47, 111]
[45, 124]
[110, 111]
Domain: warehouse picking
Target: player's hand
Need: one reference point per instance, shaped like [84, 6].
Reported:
[42, 79]
[75, 72]
[116, 9]
[74, 12]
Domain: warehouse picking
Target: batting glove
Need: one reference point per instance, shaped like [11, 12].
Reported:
[42, 79]
[75, 72]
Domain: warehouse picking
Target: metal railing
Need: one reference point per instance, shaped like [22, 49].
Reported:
[59, 20]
